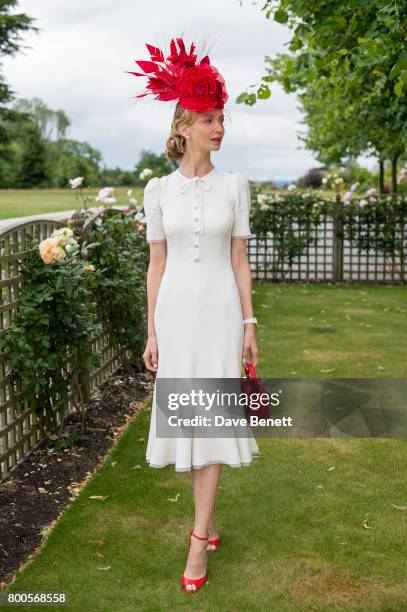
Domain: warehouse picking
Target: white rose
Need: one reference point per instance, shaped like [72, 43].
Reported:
[76, 182]
[144, 173]
[104, 193]
[261, 198]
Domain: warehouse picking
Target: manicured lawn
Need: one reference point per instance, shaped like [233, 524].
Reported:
[331, 331]
[309, 525]
[22, 202]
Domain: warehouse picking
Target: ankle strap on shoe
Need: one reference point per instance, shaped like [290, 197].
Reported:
[197, 536]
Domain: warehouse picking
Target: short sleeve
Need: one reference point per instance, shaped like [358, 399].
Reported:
[152, 209]
[242, 203]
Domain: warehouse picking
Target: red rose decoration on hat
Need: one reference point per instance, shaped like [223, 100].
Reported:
[197, 87]
[200, 89]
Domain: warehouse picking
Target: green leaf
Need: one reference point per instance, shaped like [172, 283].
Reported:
[241, 98]
[398, 88]
[395, 71]
[403, 76]
[59, 283]
[281, 16]
[286, 84]
[295, 44]
[263, 92]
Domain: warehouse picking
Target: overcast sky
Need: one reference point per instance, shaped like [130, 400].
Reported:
[77, 63]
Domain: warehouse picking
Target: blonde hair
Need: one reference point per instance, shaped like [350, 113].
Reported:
[176, 143]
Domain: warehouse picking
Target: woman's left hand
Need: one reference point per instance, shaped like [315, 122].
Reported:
[249, 344]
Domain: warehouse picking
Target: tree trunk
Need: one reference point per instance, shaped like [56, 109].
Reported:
[394, 173]
[381, 179]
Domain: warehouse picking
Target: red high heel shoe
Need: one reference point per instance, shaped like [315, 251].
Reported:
[212, 544]
[193, 584]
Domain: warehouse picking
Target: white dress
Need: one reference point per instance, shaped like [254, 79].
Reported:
[198, 314]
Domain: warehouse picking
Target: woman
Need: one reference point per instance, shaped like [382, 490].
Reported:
[200, 315]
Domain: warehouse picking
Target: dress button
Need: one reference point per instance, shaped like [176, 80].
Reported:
[196, 218]
[196, 258]
[196, 245]
[196, 230]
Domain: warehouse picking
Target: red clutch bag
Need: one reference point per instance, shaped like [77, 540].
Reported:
[250, 385]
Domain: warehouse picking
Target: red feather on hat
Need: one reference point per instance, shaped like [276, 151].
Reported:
[168, 79]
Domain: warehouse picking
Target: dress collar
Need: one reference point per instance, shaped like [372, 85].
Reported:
[204, 177]
[197, 182]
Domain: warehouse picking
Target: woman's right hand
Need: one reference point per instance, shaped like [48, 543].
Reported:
[150, 354]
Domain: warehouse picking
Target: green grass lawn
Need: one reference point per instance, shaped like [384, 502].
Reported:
[310, 525]
[22, 202]
[331, 331]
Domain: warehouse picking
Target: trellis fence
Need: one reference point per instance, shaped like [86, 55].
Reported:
[20, 433]
[374, 252]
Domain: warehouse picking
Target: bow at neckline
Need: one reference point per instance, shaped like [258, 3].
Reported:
[197, 181]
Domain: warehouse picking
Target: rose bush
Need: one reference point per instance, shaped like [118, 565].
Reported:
[53, 321]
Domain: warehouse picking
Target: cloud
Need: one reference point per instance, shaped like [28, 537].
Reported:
[78, 61]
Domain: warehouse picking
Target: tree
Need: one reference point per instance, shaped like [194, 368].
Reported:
[341, 128]
[116, 177]
[11, 28]
[52, 124]
[33, 165]
[313, 178]
[159, 164]
[69, 158]
[348, 62]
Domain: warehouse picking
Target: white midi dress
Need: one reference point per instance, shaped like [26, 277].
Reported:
[198, 315]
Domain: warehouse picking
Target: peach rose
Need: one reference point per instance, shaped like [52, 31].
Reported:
[50, 251]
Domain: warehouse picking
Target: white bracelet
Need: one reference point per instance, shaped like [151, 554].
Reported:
[250, 320]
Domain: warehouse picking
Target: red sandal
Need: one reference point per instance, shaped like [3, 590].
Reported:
[212, 544]
[193, 584]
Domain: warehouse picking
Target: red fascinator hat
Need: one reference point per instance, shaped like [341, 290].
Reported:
[199, 87]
